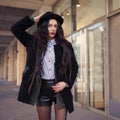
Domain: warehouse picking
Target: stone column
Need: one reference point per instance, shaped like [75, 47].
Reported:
[21, 57]
[2, 64]
[15, 61]
[5, 59]
[10, 63]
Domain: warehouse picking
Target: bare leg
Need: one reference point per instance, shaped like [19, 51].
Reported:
[44, 113]
[60, 113]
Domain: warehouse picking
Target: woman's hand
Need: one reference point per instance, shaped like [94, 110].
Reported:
[59, 86]
[36, 19]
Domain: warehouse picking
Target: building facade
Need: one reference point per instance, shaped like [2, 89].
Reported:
[93, 27]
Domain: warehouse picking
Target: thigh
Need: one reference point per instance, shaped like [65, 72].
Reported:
[60, 113]
[44, 113]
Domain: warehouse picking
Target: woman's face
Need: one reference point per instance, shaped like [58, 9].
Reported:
[52, 28]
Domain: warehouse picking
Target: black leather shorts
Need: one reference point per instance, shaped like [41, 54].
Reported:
[46, 95]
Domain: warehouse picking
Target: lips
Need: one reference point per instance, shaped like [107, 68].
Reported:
[52, 33]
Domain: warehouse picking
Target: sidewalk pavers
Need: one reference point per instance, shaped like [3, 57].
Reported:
[11, 109]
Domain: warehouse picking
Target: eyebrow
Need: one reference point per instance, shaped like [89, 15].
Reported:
[53, 24]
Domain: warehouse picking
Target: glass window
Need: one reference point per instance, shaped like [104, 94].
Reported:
[96, 65]
[79, 44]
[62, 7]
[88, 11]
[113, 5]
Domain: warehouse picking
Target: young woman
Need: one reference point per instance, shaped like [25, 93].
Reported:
[51, 66]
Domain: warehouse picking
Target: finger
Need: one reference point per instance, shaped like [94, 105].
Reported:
[56, 89]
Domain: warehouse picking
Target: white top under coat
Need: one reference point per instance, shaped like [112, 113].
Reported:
[48, 61]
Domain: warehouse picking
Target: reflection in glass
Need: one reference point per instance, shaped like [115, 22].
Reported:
[79, 44]
[89, 11]
[96, 67]
[63, 8]
[113, 5]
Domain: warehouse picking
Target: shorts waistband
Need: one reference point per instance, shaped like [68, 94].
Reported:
[48, 79]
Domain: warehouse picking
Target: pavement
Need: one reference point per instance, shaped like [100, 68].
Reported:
[11, 109]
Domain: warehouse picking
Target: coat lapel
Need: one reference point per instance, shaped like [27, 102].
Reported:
[58, 54]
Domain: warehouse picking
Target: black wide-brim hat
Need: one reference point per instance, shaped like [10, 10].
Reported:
[50, 15]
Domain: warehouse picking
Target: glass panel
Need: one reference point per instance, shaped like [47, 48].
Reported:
[79, 44]
[113, 5]
[114, 65]
[96, 66]
[62, 7]
[114, 57]
[88, 11]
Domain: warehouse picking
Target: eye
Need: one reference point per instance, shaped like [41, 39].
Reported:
[49, 25]
[55, 26]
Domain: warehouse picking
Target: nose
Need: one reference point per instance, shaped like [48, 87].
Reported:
[53, 28]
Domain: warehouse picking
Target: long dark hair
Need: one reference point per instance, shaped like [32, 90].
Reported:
[40, 44]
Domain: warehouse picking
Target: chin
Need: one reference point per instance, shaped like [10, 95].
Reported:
[51, 37]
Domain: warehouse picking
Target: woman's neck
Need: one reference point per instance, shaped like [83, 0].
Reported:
[51, 39]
